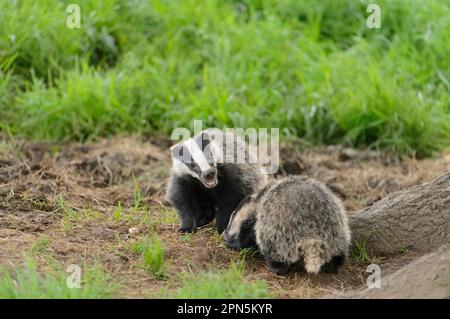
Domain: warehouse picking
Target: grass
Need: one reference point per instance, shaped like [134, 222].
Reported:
[360, 256]
[27, 281]
[152, 253]
[311, 68]
[40, 246]
[167, 216]
[72, 217]
[117, 212]
[136, 194]
[229, 283]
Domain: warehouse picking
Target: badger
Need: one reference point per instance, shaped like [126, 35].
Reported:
[295, 222]
[211, 173]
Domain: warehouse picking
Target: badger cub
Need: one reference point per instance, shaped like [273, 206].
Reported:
[211, 173]
[295, 221]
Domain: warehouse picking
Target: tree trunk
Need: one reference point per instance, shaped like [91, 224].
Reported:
[416, 218]
[426, 277]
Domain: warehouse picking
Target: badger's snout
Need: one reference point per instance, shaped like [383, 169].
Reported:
[230, 241]
[209, 177]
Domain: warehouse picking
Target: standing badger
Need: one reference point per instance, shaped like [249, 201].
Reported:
[293, 221]
[211, 173]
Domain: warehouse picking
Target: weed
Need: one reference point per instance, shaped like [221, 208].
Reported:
[40, 246]
[118, 212]
[136, 194]
[152, 253]
[360, 256]
[28, 282]
[229, 283]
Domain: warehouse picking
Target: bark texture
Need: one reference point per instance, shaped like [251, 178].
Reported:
[426, 277]
[416, 218]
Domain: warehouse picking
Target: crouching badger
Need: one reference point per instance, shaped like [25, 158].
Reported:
[211, 174]
[295, 221]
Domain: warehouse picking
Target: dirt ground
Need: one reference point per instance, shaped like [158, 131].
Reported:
[68, 193]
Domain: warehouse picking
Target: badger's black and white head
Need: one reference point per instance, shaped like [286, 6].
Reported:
[240, 232]
[195, 157]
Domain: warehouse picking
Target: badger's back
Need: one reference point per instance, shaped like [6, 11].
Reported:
[296, 210]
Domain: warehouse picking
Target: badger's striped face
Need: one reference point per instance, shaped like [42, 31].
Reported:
[240, 232]
[194, 157]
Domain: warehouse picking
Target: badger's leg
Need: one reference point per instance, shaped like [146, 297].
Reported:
[207, 215]
[226, 207]
[280, 268]
[190, 203]
[315, 253]
[188, 216]
[333, 265]
[228, 200]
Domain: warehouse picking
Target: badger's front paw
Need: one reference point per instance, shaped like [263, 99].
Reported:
[185, 230]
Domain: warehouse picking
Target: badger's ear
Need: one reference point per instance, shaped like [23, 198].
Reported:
[206, 136]
[176, 151]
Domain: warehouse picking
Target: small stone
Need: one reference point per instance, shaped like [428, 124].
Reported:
[133, 230]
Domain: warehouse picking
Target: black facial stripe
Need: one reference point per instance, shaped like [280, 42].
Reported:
[247, 237]
[186, 158]
[202, 141]
[203, 144]
[243, 202]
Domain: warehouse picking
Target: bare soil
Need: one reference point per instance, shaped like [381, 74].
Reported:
[67, 193]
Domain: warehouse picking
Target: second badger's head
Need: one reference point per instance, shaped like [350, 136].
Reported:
[240, 232]
[195, 157]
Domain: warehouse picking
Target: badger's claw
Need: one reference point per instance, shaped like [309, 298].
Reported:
[185, 230]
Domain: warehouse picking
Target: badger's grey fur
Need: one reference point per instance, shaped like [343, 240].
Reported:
[209, 178]
[293, 221]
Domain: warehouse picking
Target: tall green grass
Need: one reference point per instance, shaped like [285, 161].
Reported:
[310, 67]
[152, 252]
[228, 283]
[29, 282]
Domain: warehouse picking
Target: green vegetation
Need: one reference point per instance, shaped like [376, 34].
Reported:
[310, 67]
[27, 282]
[229, 283]
[40, 246]
[166, 216]
[117, 213]
[360, 256]
[72, 217]
[152, 253]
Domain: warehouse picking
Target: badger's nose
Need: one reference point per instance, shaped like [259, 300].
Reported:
[209, 174]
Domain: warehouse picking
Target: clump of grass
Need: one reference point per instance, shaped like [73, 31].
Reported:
[360, 256]
[70, 216]
[40, 246]
[28, 282]
[117, 212]
[246, 253]
[166, 217]
[187, 238]
[152, 252]
[229, 283]
[136, 193]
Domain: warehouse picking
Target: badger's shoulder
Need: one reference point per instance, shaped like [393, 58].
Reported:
[303, 192]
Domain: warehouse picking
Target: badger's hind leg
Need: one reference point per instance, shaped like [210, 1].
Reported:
[315, 253]
[333, 265]
[280, 268]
